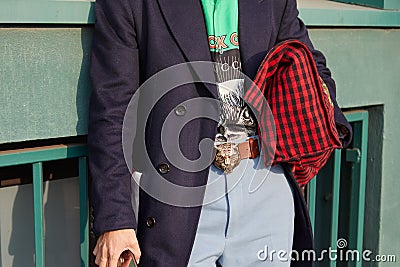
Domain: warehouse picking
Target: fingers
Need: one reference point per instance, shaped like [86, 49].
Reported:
[96, 249]
[103, 262]
[114, 261]
[103, 255]
[97, 252]
[135, 253]
[117, 248]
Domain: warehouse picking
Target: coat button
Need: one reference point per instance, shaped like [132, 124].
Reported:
[150, 222]
[180, 110]
[163, 168]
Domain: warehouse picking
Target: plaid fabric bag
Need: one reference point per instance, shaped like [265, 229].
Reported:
[298, 128]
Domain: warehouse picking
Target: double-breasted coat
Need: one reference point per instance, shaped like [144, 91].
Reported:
[135, 39]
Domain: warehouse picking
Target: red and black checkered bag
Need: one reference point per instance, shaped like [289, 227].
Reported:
[302, 132]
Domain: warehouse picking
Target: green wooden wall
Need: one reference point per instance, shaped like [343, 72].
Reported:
[366, 66]
[44, 88]
[387, 4]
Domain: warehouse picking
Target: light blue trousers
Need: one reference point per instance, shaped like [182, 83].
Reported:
[247, 218]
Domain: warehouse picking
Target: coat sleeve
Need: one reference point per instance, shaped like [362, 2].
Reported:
[114, 72]
[292, 27]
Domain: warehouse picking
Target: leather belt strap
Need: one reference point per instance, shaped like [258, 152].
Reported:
[249, 149]
[228, 155]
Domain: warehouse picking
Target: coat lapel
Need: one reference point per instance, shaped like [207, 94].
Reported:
[186, 21]
[254, 32]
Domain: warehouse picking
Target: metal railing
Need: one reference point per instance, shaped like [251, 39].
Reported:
[342, 216]
[356, 156]
[36, 157]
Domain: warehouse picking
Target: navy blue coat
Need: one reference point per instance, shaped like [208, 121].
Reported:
[135, 39]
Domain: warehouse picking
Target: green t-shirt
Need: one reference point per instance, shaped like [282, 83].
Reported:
[222, 24]
[236, 120]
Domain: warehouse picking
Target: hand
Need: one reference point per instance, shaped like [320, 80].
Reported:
[111, 245]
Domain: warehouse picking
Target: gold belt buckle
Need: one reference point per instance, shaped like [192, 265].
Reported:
[227, 156]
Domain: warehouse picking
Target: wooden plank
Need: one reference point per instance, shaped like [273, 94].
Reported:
[41, 154]
[45, 86]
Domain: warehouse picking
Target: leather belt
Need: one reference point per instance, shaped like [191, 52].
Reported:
[228, 155]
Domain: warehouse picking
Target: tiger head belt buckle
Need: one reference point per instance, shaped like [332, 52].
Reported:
[227, 156]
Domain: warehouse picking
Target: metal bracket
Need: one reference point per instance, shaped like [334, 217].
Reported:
[353, 155]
